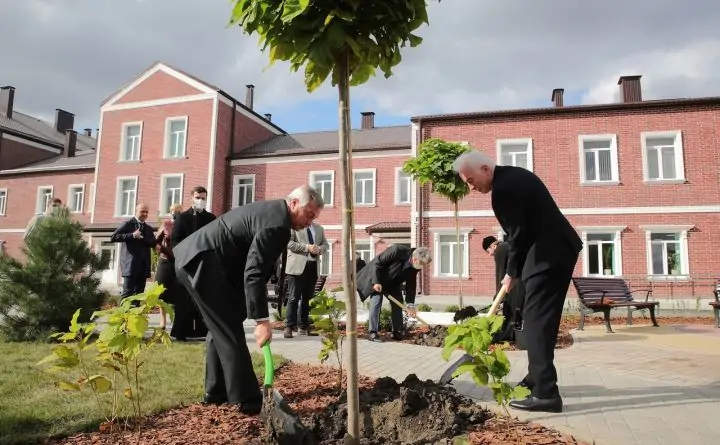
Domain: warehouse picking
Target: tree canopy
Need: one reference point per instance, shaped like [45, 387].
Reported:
[433, 164]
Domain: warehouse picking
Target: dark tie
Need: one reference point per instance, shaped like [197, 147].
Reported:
[311, 240]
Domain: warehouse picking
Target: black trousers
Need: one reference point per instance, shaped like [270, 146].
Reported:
[229, 373]
[301, 289]
[544, 300]
[188, 321]
[133, 285]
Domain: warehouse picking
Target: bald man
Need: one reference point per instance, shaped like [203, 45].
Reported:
[135, 259]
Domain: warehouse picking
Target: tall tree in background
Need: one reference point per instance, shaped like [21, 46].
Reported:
[346, 40]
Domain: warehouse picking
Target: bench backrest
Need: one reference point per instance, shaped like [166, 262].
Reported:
[610, 290]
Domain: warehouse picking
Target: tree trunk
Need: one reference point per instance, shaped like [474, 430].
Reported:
[460, 255]
[348, 256]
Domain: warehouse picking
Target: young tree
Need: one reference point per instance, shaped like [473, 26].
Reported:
[433, 164]
[346, 40]
[39, 296]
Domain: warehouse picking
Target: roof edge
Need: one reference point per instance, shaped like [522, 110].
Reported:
[318, 152]
[31, 170]
[250, 110]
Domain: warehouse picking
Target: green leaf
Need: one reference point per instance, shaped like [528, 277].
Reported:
[100, 383]
[74, 325]
[519, 392]
[293, 8]
[137, 325]
[67, 386]
[362, 74]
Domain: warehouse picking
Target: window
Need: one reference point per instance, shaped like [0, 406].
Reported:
[3, 201]
[171, 191]
[76, 198]
[403, 187]
[667, 250]
[175, 137]
[364, 186]
[447, 252]
[517, 152]
[323, 182]
[598, 159]
[126, 198]
[130, 141]
[326, 260]
[44, 195]
[663, 156]
[602, 254]
[364, 248]
[243, 190]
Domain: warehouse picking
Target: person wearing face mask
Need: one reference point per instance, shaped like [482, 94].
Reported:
[398, 265]
[188, 322]
[165, 272]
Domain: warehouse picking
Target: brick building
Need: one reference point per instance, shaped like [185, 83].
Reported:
[638, 179]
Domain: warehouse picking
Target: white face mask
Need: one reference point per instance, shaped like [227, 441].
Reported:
[199, 204]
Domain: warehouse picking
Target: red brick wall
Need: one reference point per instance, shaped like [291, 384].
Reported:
[160, 85]
[152, 165]
[22, 199]
[14, 154]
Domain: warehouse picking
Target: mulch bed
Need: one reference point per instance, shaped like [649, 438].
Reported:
[312, 393]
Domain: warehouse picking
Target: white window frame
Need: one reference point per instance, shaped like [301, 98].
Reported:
[71, 196]
[614, 162]
[168, 138]
[124, 139]
[329, 251]
[527, 141]
[411, 182]
[311, 180]
[165, 209]
[465, 239]
[678, 152]
[369, 242]
[682, 230]
[91, 201]
[118, 198]
[616, 232]
[3, 201]
[39, 207]
[374, 182]
[236, 188]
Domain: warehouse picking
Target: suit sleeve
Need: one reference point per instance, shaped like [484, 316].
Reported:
[178, 231]
[513, 213]
[294, 246]
[379, 272]
[149, 237]
[324, 246]
[411, 290]
[266, 248]
[122, 233]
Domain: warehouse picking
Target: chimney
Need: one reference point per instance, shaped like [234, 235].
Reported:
[630, 90]
[268, 116]
[368, 120]
[70, 143]
[64, 120]
[88, 132]
[7, 99]
[249, 95]
[557, 97]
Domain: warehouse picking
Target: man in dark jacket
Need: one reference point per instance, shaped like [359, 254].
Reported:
[386, 274]
[188, 321]
[135, 259]
[543, 251]
[513, 302]
[225, 266]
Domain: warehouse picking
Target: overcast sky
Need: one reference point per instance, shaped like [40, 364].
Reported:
[477, 55]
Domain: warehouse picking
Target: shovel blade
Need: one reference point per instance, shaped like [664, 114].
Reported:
[284, 426]
[447, 376]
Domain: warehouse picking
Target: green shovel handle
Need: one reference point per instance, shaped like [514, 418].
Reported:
[269, 365]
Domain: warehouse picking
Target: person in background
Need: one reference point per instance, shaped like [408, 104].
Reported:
[513, 302]
[359, 263]
[53, 208]
[165, 272]
[188, 320]
[386, 274]
[135, 259]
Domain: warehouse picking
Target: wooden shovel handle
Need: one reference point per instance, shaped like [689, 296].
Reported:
[498, 299]
[403, 307]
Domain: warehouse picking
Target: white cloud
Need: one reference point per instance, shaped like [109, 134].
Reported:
[477, 55]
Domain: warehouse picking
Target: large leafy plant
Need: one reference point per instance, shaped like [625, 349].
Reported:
[326, 312]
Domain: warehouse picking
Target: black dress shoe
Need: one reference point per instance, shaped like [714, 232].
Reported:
[210, 399]
[307, 331]
[375, 337]
[397, 336]
[250, 408]
[553, 405]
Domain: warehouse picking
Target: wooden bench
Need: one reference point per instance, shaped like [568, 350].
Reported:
[716, 304]
[604, 294]
[277, 303]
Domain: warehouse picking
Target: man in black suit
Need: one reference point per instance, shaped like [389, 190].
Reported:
[188, 321]
[386, 274]
[543, 251]
[135, 259]
[225, 266]
[513, 303]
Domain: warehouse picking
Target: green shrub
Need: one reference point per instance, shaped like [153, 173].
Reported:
[422, 307]
[452, 308]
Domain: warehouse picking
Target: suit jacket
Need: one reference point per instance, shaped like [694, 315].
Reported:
[188, 222]
[540, 237]
[135, 259]
[516, 297]
[248, 241]
[298, 254]
[390, 270]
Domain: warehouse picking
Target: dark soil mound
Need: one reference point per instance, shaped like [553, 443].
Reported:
[435, 337]
[413, 412]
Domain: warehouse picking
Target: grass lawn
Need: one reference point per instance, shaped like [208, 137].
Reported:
[31, 408]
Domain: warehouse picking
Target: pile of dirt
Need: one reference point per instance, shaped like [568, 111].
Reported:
[434, 336]
[413, 412]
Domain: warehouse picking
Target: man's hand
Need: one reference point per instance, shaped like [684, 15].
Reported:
[263, 333]
[377, 288]
[137, 234]
[507, 281]
[315, 250]
[411, 311]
